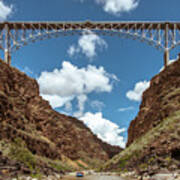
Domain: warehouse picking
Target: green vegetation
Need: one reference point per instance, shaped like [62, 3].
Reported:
[93, 163]
[81, 165]
[143, 166]
[19, 152]
[37, 176]
[151, 160]
[135, 150]
[57, 165]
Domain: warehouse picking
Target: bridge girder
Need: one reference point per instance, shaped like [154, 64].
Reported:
[163, 35]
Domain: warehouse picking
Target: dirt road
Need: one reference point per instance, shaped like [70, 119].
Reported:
[94, 177]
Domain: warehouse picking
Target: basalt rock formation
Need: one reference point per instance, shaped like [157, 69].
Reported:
[154, 135]
[29, 124]
[160, 101]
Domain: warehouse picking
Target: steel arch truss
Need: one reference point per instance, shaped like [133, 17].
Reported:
[163, 35]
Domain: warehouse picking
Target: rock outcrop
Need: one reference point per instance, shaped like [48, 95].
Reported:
[26, 117]
[160, 101]
[154, 135]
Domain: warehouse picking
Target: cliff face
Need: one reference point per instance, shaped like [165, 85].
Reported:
[44, 132]
[154, 135]
[161, 100]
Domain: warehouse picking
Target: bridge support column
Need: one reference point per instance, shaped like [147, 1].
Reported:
[7, 55]
[166, 58]
[166, 52]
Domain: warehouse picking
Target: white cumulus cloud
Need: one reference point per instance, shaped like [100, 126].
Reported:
[58, 101]
[136, 93]
[81, 102]
[5, 11]
[88, 44]
[104, 128]
[61, 86]
[116, 7]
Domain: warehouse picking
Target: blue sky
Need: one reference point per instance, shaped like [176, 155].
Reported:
[99, 73]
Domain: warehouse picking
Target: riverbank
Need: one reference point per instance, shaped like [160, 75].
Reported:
[72, 176]
[91, 175]
[163, 175]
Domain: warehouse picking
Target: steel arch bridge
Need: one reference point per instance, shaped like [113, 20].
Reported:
[163, 35]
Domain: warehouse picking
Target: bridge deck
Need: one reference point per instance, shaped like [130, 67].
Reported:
[91, 25]
[161, 34]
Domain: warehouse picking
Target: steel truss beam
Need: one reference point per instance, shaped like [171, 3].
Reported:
[163, 35]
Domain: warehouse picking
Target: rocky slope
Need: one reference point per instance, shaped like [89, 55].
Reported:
[35, 135]
[154, 135]
[160, 101]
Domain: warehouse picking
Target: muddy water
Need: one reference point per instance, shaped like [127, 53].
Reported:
[95, 177]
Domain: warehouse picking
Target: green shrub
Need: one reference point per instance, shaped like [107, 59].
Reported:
[143, 166]
[19, 152]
